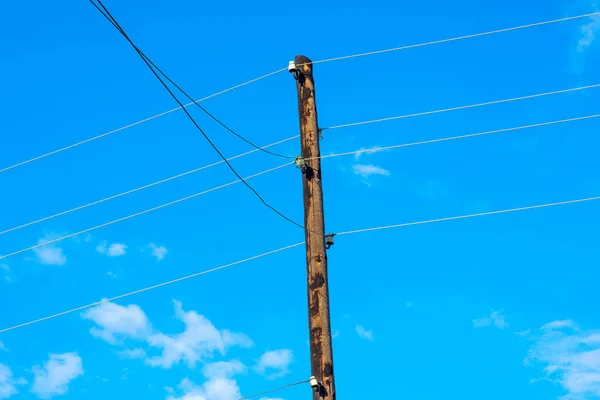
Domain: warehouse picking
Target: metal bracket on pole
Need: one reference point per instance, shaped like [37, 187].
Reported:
[300, 164]
[320, 133]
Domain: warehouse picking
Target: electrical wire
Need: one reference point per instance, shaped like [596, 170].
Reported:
[59, 239]
[446, 139]
[146, 289]
[457, 38]
[294, 137]
[350, 232]
[155, 73]
[482, 214]
[77, 144]
[465, 107]
[140, 188]
[22, 163]
[275, 390]
[114, 23]
[372, 150]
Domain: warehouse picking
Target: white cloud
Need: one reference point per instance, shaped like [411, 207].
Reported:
[587, 33]
[117, 249]
[116, 322]
[223, 369]
[7, 272]
[367, 170]
[366, 151]
[49, 254]
[54, 376]
[112, 250]
[275, 364]
[569, 357]
[335, 334]
[133, 354]
[159, 252]
[496, 319]
[8, 384]
[200, 339]
[2, 346]
[112, 274]
[363, 333]
[213, 389]
[558, 325]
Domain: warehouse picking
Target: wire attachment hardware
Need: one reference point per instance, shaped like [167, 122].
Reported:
[329, 240]
[300, 164]
[292, 69]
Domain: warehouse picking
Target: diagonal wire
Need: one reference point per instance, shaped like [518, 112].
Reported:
[465, 107]
[372, 150]
[140, 188]
[146, 289]
[274, 390]
[92, 139]
[482, 214]
[457, 38]
[446, 139]
[294, 137]
[144, 58]
[114, 23]
[59, 239]
[351, 232]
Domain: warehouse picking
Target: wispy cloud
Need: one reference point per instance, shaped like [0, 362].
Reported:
[363, 151]
[363, 333]
[585, 37]
[8, 384]
[158, 252]
[568, 357]
[561, 324]
[50, 254]
[112, 274]
[2, 346]
[496, 318]
[275, 364]
[587, 32]
[53, 378]
[6, 273]
[112, 250]
[366, 171]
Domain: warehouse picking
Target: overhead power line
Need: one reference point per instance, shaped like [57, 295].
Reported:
[446, 139]
[259, 78]
[77, 144]
[147, 289]
[350, 232]
[149, 210]
[482, 214]
[457, 38]
[114, 23]
[104, 11]
[140, 188]
[296, 136]
[274, 390]
[465, 107]
[372, 150]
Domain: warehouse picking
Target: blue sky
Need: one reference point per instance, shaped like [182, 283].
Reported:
[495, 307]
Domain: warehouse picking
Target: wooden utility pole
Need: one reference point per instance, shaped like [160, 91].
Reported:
[321, 352]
